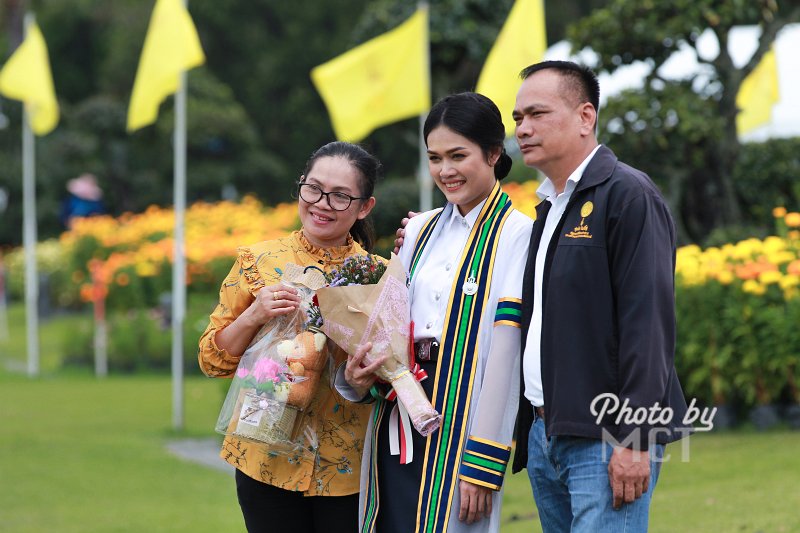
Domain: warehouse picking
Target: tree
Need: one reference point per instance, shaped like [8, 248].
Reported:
[697, 114]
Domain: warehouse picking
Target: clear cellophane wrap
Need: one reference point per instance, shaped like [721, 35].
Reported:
[277, 377]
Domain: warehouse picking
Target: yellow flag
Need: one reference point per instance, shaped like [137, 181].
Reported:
[26, 76]
[170, 47]
[379, 82]
[757, 94]
[522, 41]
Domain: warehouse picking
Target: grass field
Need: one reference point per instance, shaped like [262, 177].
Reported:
[79, 454]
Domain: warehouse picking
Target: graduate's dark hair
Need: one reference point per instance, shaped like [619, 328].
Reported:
[475, 117]
[369, 169]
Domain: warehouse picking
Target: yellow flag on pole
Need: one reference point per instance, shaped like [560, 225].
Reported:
[757, 94]
[522, 41]
[170, 47]
[26, 76]
[379, 82]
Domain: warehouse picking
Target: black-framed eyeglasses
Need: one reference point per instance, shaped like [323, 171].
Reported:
[338, 201]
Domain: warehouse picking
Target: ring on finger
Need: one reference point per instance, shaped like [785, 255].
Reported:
[275, 295]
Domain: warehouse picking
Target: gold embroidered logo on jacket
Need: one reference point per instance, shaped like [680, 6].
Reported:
[581, 231]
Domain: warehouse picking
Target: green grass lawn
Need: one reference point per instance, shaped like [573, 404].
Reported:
[743, 482]
[79, 454]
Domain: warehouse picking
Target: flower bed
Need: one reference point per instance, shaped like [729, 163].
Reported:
[738, 311]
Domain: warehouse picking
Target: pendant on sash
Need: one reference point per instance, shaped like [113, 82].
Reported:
[470, 287]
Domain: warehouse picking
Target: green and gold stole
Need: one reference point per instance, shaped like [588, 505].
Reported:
[455, 370]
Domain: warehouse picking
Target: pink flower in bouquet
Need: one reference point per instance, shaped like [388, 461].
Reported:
[266, 369]
[242, 373]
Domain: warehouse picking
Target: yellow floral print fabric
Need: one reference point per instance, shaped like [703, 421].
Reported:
[340, 425]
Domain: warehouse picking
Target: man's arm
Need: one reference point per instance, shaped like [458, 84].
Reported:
[401, 231]
[641, 244]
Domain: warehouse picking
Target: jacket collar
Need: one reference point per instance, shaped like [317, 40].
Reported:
[599, 170]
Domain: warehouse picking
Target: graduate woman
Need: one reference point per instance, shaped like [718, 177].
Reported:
[466, 263]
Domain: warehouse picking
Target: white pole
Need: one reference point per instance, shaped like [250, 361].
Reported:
[100, 348]
[100, 329]
[423, 176]
[179, 259]
[29, 236]
[3, 308]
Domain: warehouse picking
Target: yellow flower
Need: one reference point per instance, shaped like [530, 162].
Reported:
[725, 277]
[773, 244]
[770, 277]
[146, 270]
[746, 249]
[779, 212]
[782, 257]
[751, 286]
[790, 280]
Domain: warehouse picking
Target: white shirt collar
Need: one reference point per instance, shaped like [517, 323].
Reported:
[548, 190]
[470, 218]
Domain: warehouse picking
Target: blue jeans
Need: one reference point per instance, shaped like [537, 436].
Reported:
[569, 477]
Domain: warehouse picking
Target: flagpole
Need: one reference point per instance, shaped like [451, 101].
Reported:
[179, 256]
[3, 305]
[29, 235]
[423, 176]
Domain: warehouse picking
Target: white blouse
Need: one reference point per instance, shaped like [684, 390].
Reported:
[430, 290]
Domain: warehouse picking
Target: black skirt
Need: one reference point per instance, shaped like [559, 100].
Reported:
[398, 484]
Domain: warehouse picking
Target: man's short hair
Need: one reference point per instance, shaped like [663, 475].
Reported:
[581, 80]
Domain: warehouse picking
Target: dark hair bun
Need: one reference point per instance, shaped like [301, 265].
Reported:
[503, 166]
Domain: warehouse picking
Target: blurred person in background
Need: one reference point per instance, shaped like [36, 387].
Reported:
[84, 198]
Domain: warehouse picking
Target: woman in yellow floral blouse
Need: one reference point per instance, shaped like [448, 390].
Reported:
[277, 492]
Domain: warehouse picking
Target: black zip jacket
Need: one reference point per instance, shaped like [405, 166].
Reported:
[608, 311]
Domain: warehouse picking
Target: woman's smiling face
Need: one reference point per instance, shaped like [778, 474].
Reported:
[460, 168]
[322, 225]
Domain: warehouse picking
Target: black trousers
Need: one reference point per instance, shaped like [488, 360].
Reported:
[269, 509]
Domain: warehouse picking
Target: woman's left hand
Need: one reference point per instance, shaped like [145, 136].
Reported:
[359, 375]
[476, 502]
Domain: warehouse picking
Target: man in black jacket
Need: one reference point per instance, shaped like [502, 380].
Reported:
[600, 393]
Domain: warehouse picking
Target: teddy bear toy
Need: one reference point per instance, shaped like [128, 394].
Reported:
[305, 356]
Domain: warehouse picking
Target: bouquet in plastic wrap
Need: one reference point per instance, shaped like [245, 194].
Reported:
[278, 375]
[355, 314]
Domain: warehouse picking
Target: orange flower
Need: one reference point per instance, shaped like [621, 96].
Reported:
[779, 212]
[794, 267]
[792, 219]
[123, 279]
[747, 271]
[87, 292]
